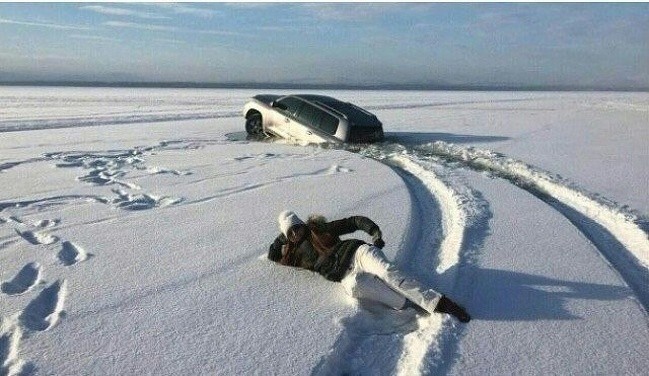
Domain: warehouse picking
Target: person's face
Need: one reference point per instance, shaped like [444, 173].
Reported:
[296, 234]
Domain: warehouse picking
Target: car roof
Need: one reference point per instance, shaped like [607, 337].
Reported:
[316, 98]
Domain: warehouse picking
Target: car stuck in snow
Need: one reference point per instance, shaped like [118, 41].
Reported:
[309, 118]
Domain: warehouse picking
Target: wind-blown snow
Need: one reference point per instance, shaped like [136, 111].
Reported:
[134, 225]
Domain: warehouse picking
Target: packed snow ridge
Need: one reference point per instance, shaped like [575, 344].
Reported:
[632, 259]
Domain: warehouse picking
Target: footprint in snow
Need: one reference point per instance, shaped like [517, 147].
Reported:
[144, 201]
[44, 223]
[46, 309]
[16, 220]
[38, 238]
[10, 336]
[38, 224]
[71, 254]
[162, 170]
[336, 169]
[26, 278]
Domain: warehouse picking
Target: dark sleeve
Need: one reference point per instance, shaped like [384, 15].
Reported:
[275, 250]
[353, 224]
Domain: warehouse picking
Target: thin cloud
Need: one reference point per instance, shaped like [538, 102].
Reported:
[347, 12]
[95, 38]
[149, 27]
[133, 25]
[170, 41]
[37, 57]
[113, 11]
[215, 32]
[278, 29]
[43, 24]
[189, 10]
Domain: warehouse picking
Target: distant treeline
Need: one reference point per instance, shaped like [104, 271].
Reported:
[308, 86]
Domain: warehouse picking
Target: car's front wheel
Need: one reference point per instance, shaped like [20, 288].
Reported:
[253, 124]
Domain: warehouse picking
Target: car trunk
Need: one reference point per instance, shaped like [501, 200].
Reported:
[358, 134]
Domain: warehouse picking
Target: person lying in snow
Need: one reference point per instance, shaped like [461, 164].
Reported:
[363, 269]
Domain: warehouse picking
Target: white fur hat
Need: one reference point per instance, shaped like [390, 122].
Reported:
[288, 219]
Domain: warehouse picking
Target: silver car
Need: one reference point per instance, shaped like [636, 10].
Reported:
[307, 118]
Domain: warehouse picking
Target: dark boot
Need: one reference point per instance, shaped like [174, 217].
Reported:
[446, 305]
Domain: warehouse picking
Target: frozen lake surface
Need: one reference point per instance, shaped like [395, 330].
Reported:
[134, 228]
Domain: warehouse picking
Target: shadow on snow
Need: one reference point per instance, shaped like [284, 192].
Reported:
[420, 138]
[503, 295]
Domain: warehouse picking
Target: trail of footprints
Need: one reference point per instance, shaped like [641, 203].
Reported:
[110, 168]
[46, 308]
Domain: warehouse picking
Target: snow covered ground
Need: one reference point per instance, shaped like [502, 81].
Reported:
[134, 225]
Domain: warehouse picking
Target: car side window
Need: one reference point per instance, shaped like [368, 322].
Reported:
[293, 105]
[309, 115]
[315, 117]
[328, 123]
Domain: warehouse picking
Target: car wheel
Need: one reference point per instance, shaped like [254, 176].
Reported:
[253, 125]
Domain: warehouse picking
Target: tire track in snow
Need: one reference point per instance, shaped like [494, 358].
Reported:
[8, 165]
[248, 188]
[89, 121]
[425, 250]
[619, 235]
[431, 347]
[440, 223]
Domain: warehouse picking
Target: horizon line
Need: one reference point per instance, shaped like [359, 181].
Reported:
[312, 86]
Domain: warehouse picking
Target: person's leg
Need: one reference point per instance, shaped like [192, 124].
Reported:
[371, 287]
[372, 260]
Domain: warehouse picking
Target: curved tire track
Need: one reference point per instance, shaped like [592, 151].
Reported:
[463, 219]
[616, 232]
[440, 226]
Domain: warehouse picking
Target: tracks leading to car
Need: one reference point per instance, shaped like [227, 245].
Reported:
[617, 233]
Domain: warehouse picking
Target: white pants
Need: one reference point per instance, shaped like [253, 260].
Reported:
[373, 277]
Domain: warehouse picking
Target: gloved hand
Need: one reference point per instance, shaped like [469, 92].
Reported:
[377, 239]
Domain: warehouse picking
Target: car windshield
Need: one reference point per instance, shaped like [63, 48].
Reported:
[357, 117]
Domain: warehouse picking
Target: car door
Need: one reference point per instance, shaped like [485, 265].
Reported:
[309, 119]
[296, 121]
[284, 122]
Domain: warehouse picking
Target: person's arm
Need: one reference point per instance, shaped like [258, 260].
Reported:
[355, 223]
[275, 250]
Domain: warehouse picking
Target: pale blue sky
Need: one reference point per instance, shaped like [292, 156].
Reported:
[575, 44]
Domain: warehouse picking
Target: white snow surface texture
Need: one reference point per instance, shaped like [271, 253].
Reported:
[134, 226]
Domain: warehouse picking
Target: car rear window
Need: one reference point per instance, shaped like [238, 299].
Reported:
[357, 117]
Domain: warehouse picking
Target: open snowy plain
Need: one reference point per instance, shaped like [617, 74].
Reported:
[134, 225]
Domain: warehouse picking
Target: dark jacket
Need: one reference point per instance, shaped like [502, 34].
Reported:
[335, 264]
